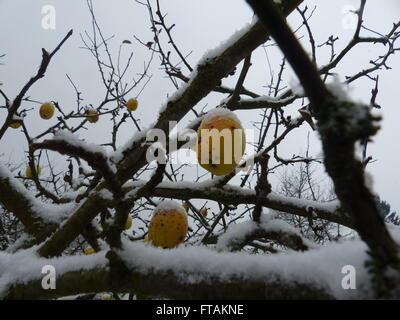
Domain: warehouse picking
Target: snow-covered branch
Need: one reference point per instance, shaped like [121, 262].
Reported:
[193, 272]
[263, 102]
[233, 195]
[38, 218]
[68, 144]
[241, 234]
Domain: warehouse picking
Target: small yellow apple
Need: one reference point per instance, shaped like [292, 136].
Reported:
[29, 174]
[186, 206]
[132, 104]
[92, 115]
[221, 142]
[128, 223]
[203, 212]
[89, 251]
[168, 226]
[46, 110]
[15, 125]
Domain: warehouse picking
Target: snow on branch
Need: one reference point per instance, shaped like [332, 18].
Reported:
[67, 143]
[235, 195]
[241, 234]
[264, 102]
[35, 215]
[194, 272]
[24, 266]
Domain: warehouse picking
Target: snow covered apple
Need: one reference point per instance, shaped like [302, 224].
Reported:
[221, 142]
[46, 110]
[168, 226]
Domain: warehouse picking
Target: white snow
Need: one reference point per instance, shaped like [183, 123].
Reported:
[73, 139]
[24, 266]
[320, 267]
[236, 233]
[331, 206]
[339, 89]
[209, 185]
[106, 194]
[213, 53]
[268, 99]
[220, 112]
[170, 205]
[118, 154]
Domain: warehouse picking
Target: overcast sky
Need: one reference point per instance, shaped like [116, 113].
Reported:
[200, 25]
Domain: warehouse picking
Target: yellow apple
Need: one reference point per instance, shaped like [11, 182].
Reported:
[29, 174]
[89, 251]
[92, 115]
[15, 125]
[46, 110]
[186, 206]
[16, 122]
[168, 226]
[203, 212]
[128, 223]
[132, 104]
[221, 142]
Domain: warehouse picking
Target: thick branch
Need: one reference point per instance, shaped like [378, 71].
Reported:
[166, 280]
[97, 160]
[339, 131]
[230, 195]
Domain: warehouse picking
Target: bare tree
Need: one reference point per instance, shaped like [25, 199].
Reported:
[58, 215]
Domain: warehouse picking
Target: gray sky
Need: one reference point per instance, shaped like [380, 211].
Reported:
[200, 25]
